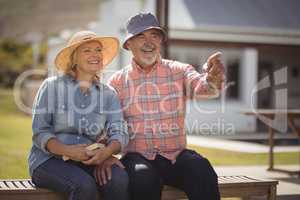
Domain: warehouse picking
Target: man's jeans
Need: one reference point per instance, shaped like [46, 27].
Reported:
[191, 172]
[75, 180]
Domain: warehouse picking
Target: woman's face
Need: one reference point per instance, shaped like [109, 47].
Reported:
[88, 58]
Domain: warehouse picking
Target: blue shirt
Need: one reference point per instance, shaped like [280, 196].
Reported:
[61, 110]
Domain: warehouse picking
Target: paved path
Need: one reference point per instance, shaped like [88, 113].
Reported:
[231, 145]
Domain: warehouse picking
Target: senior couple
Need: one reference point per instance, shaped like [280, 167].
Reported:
[139, 114]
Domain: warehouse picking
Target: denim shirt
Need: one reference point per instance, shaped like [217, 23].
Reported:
[62, 111]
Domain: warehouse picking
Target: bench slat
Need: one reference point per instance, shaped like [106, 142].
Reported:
[19, 185]
[2, 185]
[236, 179]
[27, 184]
[10, 185]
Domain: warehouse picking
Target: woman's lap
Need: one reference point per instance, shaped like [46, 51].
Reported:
[66, 178]
[76, 180]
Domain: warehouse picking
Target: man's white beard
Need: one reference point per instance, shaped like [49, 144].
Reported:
[150, 60]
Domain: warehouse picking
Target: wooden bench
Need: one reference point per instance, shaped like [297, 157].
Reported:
[230, 186]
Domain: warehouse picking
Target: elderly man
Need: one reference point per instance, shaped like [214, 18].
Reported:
[153, 92]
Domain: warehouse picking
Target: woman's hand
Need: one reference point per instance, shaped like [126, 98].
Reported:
[78, 152]
[99, 155]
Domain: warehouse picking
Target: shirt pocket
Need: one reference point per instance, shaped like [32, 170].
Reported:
[97, 120]
[170, 97]
[63, 120]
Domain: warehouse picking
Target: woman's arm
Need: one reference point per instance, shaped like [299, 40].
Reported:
[42, 115]
[43, 128]
[74, 152]
[116, 129]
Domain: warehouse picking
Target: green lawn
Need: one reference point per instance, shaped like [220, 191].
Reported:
[15, 142]
[222, 157]
[7, 105]
[15, 138]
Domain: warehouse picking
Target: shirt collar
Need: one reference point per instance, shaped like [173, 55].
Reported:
[73, 79]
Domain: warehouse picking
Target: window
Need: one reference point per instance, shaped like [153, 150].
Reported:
[232, 79]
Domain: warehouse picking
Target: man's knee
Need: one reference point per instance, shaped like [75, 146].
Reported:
[195, 165]
[143, 177]
[119, 177]
[205, 170]
[117, 187]
[145, 184]
[87, 189]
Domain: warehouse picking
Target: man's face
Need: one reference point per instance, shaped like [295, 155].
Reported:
[145, 47]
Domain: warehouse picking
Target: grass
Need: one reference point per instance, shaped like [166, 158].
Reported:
[223, 157]
[15, 138]
[7, 103]
[15, 142]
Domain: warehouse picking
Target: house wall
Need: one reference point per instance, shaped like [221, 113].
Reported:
[279, 57]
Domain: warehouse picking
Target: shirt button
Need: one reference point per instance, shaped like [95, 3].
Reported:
[83, 118]
[63, 106]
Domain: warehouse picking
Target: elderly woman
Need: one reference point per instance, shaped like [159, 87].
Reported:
[74, 110]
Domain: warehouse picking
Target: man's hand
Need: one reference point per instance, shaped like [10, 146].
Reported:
[215, 70]
[102, 172]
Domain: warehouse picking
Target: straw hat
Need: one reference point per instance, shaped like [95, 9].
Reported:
[110, 49]
[140, 23]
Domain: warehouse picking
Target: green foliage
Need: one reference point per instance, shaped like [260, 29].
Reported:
[43, 54]
[14, 59]
[17, 57]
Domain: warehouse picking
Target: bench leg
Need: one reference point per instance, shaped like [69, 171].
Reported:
[272, 193]
[271, 147]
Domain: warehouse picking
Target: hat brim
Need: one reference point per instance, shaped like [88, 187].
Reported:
[110, 48]
[131, 35]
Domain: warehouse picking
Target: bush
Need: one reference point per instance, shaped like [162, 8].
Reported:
[15, 58]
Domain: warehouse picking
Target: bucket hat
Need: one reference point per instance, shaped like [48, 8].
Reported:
[139, 23]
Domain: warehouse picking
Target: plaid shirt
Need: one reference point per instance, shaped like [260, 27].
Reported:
[154, 105]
